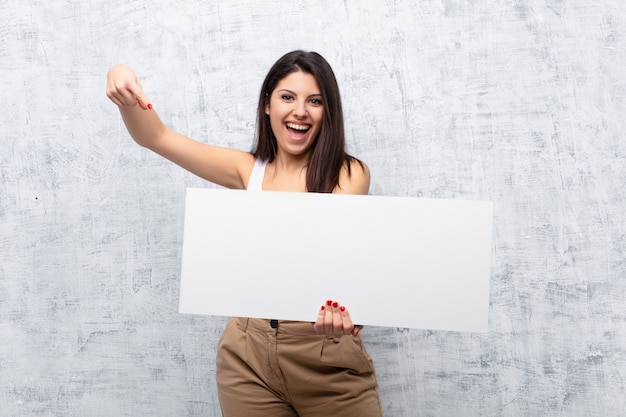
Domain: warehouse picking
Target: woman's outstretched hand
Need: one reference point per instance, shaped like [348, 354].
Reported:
[334, 319]
[124, 89]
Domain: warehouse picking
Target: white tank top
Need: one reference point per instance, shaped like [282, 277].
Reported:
[255, 182]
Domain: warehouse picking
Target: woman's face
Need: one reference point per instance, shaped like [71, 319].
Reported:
[295, 109]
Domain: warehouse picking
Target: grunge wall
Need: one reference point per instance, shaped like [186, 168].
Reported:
[519, 102]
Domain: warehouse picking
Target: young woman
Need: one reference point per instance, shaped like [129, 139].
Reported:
[266, 367]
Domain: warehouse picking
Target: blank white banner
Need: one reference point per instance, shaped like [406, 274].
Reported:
[393, 261]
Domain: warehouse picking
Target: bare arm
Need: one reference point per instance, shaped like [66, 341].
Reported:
[224, 166]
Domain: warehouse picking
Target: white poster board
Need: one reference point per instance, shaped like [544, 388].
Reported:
[393, 261]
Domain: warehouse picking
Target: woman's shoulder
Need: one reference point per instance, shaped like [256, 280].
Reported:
[354, 178]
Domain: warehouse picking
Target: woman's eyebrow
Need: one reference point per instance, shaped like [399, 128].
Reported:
[286, 90]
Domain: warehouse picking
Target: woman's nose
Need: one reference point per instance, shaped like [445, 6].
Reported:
[300, 109]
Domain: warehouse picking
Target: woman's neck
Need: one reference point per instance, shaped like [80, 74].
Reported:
[291, 164]
[287, 173]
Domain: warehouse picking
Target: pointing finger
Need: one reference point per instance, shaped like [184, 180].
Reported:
[144, 103]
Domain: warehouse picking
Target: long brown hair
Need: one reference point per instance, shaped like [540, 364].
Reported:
[328, 154]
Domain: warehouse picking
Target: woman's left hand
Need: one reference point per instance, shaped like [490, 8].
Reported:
[334, 319]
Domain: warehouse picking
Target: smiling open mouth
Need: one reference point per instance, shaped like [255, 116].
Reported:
[298, 128]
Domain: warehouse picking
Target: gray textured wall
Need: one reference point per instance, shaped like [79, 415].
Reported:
[520, 102]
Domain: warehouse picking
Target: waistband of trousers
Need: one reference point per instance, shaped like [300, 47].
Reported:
[288, 327]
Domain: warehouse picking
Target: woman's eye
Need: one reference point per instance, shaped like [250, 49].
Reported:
[287, 97]
[316, 101]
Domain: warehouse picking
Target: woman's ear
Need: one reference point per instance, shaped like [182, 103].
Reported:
[267, 104]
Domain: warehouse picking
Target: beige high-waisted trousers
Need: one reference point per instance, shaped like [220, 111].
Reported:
[267, 368]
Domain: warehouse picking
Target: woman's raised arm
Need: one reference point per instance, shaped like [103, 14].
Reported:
[224, 166]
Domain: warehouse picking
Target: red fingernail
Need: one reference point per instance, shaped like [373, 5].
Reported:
[329, 302]
[342, 308]
[323, 307]
[335, 304]
[149, 106]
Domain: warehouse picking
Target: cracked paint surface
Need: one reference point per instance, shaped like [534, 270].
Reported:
[521, 103]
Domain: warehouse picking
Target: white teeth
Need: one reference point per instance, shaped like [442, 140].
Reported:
[298, 127]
